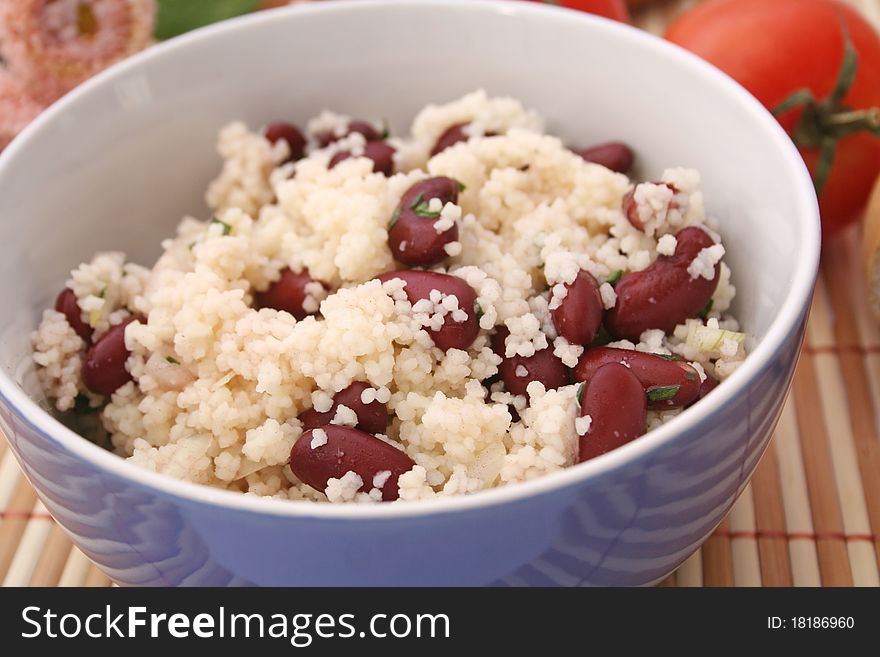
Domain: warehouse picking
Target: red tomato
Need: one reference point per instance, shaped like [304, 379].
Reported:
[777, 48]
[615, 9]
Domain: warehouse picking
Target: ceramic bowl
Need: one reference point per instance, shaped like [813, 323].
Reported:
[116, 163]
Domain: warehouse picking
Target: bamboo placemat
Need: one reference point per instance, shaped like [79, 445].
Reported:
[809, 517]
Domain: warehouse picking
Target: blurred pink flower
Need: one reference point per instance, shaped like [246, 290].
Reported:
[51, 46]
[17, 109]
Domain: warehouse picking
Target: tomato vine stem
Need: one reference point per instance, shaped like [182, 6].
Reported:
[824, 122]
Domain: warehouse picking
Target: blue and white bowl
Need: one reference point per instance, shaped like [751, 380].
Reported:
[117, 162]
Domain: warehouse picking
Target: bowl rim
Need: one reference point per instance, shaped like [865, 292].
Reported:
[782, 326]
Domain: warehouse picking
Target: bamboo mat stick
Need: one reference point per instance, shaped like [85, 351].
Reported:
[15, 522]
[9, 476]
[76, 569]
[717, 558]
[796, 499]
[690, 573]
[30, 547]
[770, 522]
[833, 559]
[868, 326]
[832, 390]
[743, 546]
[667, 582]
[55, 553]
[96, 578]
[656, 19]
[870, 8]
[839, 277]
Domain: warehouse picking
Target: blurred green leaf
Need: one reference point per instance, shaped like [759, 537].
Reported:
[179, 16]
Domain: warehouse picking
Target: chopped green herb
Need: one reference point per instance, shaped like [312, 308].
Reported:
[192, 244]
[386, 129]
[612, 280]
[674, 357]
[542, 265]
[124, 273]
[394, 217]
[421, 207]
[662, 393]
[478, 309]
[690, 376]
[227, 229]
[602, 338]
[580, 392]
[103, 292]
[423, 210]
[704, 313]
[81, 405]
[461, 186]
[172, 360]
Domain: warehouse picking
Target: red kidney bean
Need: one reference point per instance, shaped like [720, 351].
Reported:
[631, 208]
[664, 294]
[348, 449]
[412, 236]
[615, 401]
[613, 155]
[103, 369]
[67, 305]
[275, 132]
[372, 417]
[453, 335]
[579, 316]
[453, 135]
[668, 383]
[543, 366]
[379, 152]
[287, 293]
[708, 386]
[361, 127]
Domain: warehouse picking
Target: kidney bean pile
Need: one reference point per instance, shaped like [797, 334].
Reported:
[617, 386]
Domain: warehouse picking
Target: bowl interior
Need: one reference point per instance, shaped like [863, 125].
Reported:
[115, 165]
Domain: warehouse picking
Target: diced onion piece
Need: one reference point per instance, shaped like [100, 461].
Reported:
[249, 467]
[710, 340]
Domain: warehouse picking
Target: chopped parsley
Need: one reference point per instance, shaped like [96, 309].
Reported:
[386, 130]
[580, 392]
[461, 186]
[673, 357]
[602, 338]
[690, 376]
[478, 309]
[227, 229]
[103, 292]
[662, 393]
[704, 313]
[422, 208]
[612, 280]
[81, 405]
[394, 218]
[172, 360]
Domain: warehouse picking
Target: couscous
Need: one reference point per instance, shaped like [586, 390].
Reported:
[366, 317]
